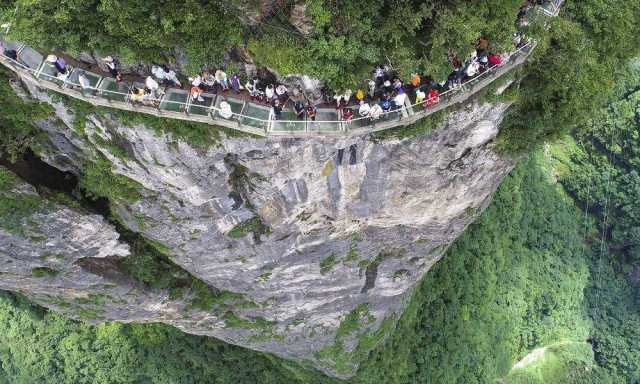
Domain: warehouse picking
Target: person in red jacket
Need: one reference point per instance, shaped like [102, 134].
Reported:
[347, 115]
[495, 60]
[433, 98]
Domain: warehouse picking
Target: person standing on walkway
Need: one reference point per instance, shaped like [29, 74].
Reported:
[252, 87]
[235, 83]
[221, 78]
[112, 66]
[277, 109]
[299, 108]
[311, 112]
[269, 93]
[83, 80]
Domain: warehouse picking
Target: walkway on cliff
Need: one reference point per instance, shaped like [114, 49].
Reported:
[247, 116]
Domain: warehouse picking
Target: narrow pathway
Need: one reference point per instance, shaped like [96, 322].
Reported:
[246, 116]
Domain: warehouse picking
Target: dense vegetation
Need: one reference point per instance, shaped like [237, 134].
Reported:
[574, 70]
[514, 281]
[346, 38]
[532, 271]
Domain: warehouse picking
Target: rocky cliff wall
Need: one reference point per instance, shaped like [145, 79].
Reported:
[317, 242]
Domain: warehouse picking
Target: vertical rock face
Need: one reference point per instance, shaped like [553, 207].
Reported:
[326, 238]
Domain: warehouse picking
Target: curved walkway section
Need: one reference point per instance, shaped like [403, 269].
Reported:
[247, 116]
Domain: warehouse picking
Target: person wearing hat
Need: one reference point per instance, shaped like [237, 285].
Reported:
[221, 78]
[225, 110]
[58, 63]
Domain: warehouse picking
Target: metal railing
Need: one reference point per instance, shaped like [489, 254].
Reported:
[164, 107]
[551, 7]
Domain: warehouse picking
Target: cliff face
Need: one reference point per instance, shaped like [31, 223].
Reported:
[317, 242]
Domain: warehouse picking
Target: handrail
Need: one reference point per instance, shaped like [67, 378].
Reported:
[154, 100]
[58, 85]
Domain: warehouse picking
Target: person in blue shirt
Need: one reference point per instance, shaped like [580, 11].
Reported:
[385, 105]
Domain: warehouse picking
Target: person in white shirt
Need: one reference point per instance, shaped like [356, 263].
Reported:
[84, 81]
[269, 92]
[472, 68]
[376, 111]
[364, 109]
[172, 77]
[151, 85]
[399, 99]
[158, 73]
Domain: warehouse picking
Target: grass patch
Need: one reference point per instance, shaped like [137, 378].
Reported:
[7, 179]
[253, 225]
[420, 128]
[150, 264]
[356, 319]
[352, 253]
[560, 363]
[196, 134]
[328, 263]
[111, 146]
[14, 207]
[97, 180]
[40, 272]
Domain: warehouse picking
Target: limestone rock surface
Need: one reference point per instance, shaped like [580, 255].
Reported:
[310, 231]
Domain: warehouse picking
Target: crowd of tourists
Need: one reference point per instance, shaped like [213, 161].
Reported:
[384, 92]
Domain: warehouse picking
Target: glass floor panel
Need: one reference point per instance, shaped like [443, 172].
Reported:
[360, 123]
[292, 125]
[49, 72]
[75, 74]
[257, 111]
[326, 115]
[109, 84]
[11, 45]
[172, 98]
[30, 57]
[393, 115]
[202, 107]
[236, 107]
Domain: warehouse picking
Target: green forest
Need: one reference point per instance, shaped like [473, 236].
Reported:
[552, 264]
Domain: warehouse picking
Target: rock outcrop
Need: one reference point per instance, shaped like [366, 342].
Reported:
[323, 238]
